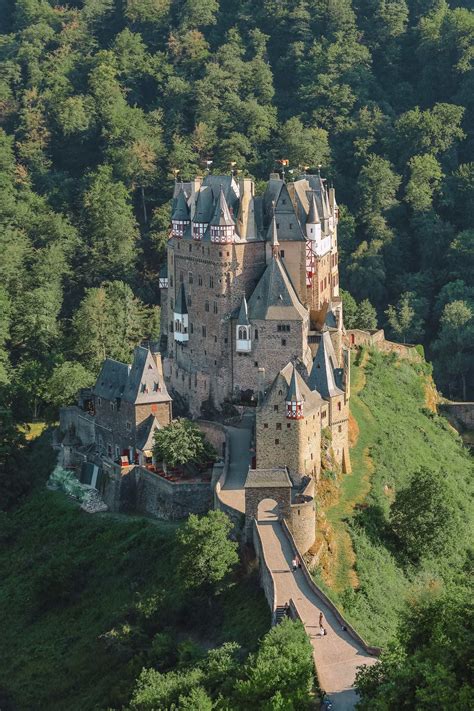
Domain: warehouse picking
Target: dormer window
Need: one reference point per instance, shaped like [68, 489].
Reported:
[199, 229]
[178, 227]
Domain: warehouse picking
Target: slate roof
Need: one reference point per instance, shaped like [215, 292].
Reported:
[289, 228]
[140, 383]
[111, 380]
[145, 382]
[222, 216]
[325, 373]
[311, 399]
[145, 433]
[180, 207]
[274, 296]
[181, 306]
[272, 234]
[243, 317]
[294, 391]
[262, 478]
[313, 214]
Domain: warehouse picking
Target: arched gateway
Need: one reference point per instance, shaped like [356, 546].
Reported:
[263, 484]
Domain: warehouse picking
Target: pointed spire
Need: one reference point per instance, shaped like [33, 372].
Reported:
[294, 393]
[181, 306]
[181, 209]
[294, 398]
[313, 215]
[222, 216]
[323, 377]
[243, 317]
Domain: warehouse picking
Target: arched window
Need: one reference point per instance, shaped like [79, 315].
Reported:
[242, 333]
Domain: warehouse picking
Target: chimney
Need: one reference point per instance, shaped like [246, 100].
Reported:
[246, 218]
[195, 187]
[261, 385]
[157, 359]
[332, 199]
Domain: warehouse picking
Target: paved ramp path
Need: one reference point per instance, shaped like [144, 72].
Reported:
[233, 492]
[336, 655]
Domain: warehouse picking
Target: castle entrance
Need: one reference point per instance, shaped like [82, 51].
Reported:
[268, 510]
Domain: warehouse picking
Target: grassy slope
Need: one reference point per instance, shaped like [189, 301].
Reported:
[52, 654]
[397, 435]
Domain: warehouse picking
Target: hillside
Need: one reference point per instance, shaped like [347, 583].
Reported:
[397, 434]
[87, 601]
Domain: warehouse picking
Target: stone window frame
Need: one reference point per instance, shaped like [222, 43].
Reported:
[199, 279]
[283, 341]
[204, 332]
[190, 277]
[128, 426]
[206, 306]
[265, 425]
[275, 408]
[211, 281]
[117, 451]
[277, 441]
[278, 425]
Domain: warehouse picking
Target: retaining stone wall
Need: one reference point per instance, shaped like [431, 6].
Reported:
[167, 500]
[463, 412]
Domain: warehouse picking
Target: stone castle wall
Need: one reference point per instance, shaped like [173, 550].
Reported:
[460, 412]
[281, 442]
[302, 524]
[272, 350]
[167, 500]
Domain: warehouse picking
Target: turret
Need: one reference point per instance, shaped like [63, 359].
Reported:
[180, 218]
[294, 399]
[180, 316]
[242, 330]
[273, 245]
[313, 223]
[222, 223]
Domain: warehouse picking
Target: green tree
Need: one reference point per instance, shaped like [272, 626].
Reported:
[461, 256]
[424, 515]
[182, 442]
[425, 178]
[349, 309]
[280, 674]
[303, 146]
[65, 381]
[366, 316]
[377, 186]
[5, 309]
[110, 225]
[14, 478]
[110, 322]
[454, 346]
[207, 553]
[404, 319]
[428, 666]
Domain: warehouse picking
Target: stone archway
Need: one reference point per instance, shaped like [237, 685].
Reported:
[264, 484]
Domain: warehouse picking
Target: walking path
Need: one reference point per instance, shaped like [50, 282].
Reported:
[233, 493]
[336, 655]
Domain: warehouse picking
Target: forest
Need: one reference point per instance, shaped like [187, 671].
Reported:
[104, 103]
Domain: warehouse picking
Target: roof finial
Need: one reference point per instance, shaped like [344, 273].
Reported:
[319, 169]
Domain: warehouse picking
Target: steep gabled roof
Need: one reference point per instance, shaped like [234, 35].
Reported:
[324, 373]
[181, 306]
[180, 207]
[283, 381]
[274, 296]
[112, 379]
[222, 216]
[145, 383]
[204, 205]
[294, 390]
[289, 228]
[243, 317]
[145, 433]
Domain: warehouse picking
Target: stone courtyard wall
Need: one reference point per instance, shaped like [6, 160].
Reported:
[168, 500]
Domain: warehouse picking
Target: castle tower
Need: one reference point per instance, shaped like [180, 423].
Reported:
[180, 218]
[294, 399]
[222, 223]
[327, 378]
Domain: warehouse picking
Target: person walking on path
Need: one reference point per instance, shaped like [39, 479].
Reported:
[321, 619]
[294, 564]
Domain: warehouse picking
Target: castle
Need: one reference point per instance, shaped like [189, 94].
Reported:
[251, 317]
[251, 312]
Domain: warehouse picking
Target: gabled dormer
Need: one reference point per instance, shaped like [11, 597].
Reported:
[243, 338]
[222, 223]
[180, 219]
[180, 317]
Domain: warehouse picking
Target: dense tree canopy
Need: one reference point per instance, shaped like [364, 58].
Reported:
[102, 102]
